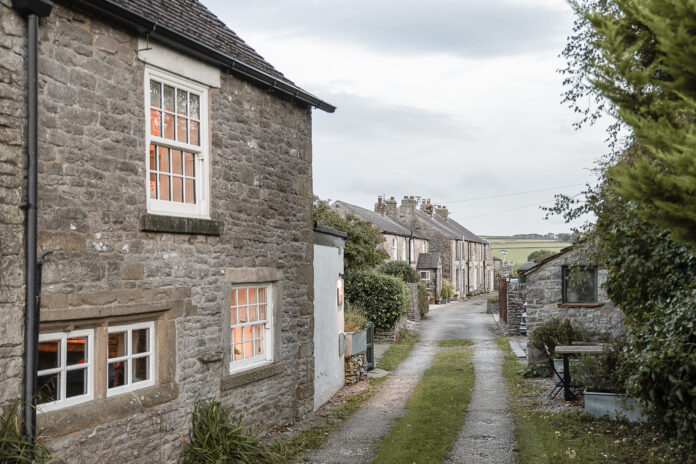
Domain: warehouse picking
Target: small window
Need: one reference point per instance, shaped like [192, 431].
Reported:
[251, 336]
[579, 284]
[395, 250]
[130, 357]
[65, 369]
[177, 158]
[425, 276]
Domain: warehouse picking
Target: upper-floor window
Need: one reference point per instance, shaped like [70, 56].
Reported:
[579, 284]
[177, 146]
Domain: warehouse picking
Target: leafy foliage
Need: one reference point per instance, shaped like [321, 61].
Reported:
[361, 250]
[400, 269]
[423, 300]
[354, 318]
[607, 372]
[447, 289]
[218, 436]
[555, 332]
[538, 255]
[384, 298]
[14, 448]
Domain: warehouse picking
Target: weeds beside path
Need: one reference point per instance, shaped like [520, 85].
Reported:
[436, 410]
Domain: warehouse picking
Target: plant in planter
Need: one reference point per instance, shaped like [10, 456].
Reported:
[447, 291]
[604, 377]
[552, 333]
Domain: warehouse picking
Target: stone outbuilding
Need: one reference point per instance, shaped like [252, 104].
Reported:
[429, 269]
[399, 241]
[568, 285]
[175, 195]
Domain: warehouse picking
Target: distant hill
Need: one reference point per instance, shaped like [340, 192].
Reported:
[520, 246]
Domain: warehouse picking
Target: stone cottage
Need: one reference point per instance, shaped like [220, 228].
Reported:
[399, 241]
[175, 199]
[567, 285]
[466, 258]
[429, 269]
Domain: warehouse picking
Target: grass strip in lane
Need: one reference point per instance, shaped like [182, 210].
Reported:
[435, 411]
[399, 351]
[545, 437]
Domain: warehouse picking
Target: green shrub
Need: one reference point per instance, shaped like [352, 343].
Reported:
[447, 289]
[401, 270]
[384, 298]
[606, 372]
[556, 332]
[218, 436]
[14, 448]
[534, 373]
[423, 300]
[493, 299]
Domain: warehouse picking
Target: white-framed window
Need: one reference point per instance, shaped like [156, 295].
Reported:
[65, 369]
[177, 157]
[395, 249]
[404, 252]
[130, 357]
[425, 276]
[411, 248]
[251, 326]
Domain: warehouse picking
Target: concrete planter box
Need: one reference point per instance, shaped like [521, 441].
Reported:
[613, 405]
[356, 342]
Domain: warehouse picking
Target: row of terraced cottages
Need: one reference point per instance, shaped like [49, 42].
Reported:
[173, 212]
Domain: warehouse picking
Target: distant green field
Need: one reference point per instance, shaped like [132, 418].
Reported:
[519, 249]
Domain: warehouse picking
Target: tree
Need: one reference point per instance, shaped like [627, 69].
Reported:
[538, 255]
[361, 250]
[637, 59]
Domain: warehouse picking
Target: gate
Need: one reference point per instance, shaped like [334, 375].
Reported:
[370, 346]
[502, 299]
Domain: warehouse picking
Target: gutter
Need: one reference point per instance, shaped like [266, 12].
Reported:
[33, 9]
[199, 50]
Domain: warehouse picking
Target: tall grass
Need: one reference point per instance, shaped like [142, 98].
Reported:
[14, 448]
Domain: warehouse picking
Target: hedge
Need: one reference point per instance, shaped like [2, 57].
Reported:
[423, 300]
[384, 298]
[400, 269]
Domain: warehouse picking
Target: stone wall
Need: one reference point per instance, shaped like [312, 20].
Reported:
[413, 312]
[356, 368]
[92, 196]
[391, 336]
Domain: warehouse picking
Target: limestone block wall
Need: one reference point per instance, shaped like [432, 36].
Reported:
[413, 312]
[92, 196]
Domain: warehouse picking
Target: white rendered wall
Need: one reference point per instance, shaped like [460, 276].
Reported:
[328, 324]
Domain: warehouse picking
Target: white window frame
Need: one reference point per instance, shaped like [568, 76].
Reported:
[268, 342]
[427, 273]
[63, 368]
[201, 209]
[129, 357]
[395, 249]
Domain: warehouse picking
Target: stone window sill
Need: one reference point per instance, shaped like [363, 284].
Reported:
[239, 379]
[180, 225]
[580, 305]
[101, 411]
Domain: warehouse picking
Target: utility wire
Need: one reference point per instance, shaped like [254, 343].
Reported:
[513, 194]
[511, 209]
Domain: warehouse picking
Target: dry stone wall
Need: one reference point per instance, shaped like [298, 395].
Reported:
[92, 195]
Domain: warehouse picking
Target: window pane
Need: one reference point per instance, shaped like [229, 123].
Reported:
[141, 369]
[580, 286]
[75, 383]
[176, 162]
[153, 185]
[190, 191]
[117, 344]
[168, 98]
[242, 315]
[49, 354]
[155, 94]
[233, 298]
[181, 129]
[237, 352]
[153, 162]
[262, 312]
[168, 126]
[252, 296]
[194, 133]
[194, 101]
[117, 374]
[156, 123]
[252, 314]
[237, 335]
[177, 189]
[248, 350]
[259, 345]
[257, 331]
[141, 341]
[164, 187]
[163, 165]
[262, 295]
[242, 296]
[181, 101]
[77, 350]
[189, 167]
[47, 388]
[248, 333]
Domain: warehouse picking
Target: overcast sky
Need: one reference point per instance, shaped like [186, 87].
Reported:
[452, 100]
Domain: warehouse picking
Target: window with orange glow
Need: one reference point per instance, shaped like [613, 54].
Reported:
[250, 326]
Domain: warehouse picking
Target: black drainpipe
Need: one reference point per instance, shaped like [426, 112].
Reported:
[33, 9]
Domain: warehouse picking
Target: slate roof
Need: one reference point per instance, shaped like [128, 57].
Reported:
[428, 261]
[385, 224]
[526, 266]
[330, 231]
[546, 260]
[450, 227]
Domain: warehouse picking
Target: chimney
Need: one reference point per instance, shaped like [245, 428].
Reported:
[390, 207]
[379, 206]
[427, 207]
[442, 212]
[407, 210]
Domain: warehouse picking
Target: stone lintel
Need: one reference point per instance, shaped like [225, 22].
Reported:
[180, 225]
[253, 375]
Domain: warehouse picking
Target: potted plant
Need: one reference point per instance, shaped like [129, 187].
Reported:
[447, 291]
[355, 332]
[604, 377]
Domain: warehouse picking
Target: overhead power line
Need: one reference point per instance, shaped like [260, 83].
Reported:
[512, 209]
[513, 194]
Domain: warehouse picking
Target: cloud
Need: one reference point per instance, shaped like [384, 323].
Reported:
[467, 28]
